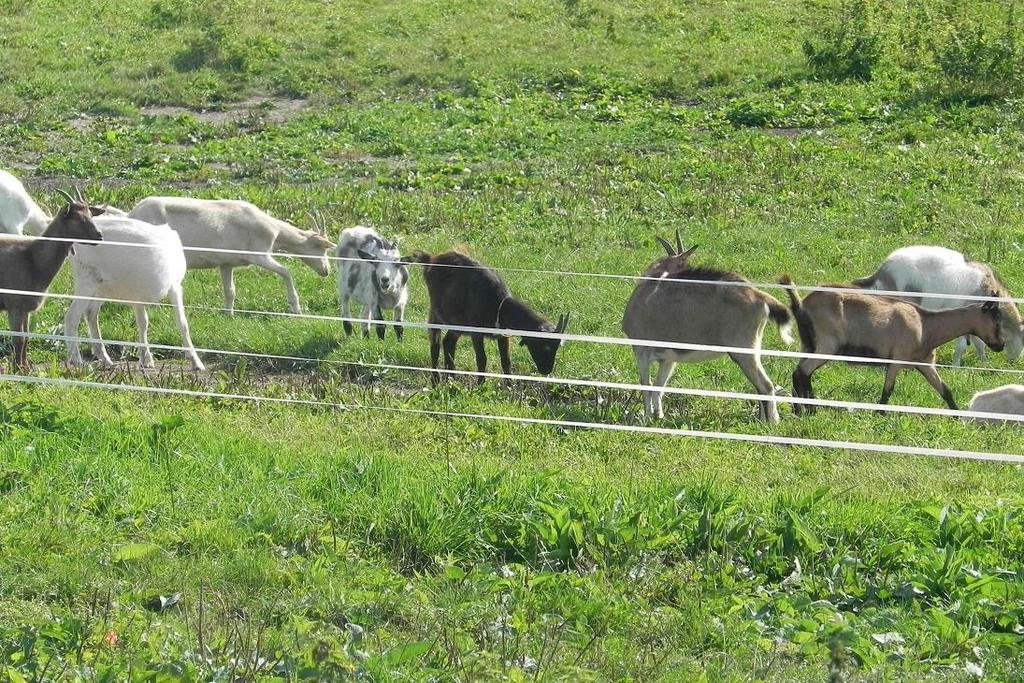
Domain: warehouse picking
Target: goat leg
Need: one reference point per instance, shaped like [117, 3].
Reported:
[346, 313]
[891, 371]
[449, 342]
[379, 315]
[481, 357]
[435, 352]
[933, 378]
[506, 359]
[399, 316]
[802, 388]
[19, 323]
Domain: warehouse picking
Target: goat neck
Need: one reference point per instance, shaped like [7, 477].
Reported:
[515, 315]
[48, 255]
[939, 327]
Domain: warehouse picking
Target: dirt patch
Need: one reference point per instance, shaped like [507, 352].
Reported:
[272, 109]
[792, 132]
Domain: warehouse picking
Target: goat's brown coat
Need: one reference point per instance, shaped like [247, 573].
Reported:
[31, 263]
[854, 324]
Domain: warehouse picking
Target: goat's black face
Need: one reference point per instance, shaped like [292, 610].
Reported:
[543, 352]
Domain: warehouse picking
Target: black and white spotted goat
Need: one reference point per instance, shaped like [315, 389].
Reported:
[374, 275]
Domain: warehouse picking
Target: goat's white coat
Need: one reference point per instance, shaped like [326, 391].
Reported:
[938, 270]
[235, 225]
[1008, 400]
[149, 273]
[19, 213]
[378, 283]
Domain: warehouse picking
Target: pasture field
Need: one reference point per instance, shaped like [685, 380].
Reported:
[172, 537]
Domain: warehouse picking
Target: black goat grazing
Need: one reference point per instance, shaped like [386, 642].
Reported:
[31, 263]
[464, 292]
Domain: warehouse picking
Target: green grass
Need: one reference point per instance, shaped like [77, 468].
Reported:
[558, 136]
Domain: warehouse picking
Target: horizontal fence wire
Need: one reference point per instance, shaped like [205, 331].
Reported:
[560, 381]
[564, 337]
[568, 273]
[765, 439]
[495, 331]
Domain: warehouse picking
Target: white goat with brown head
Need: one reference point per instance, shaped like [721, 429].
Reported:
[673, 305]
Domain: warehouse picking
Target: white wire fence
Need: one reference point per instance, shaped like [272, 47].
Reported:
[572, 273]
[765, 439]
[556, 381]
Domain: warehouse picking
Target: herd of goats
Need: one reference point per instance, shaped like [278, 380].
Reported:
[141, 257]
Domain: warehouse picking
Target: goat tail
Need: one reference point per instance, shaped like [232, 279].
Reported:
[780, 315]
[417, 256]
[803, 321]
[794, 297]
[866, 282]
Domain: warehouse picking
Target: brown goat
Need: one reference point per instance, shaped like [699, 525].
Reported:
[31, 263]
[464, 292]
[676, 304]
[872, 326]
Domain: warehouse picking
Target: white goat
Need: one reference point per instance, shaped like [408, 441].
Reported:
[938, 270]
[669, 307]
[149, 273]
[379, 281]
[18, 211]
[1008, 400]
[235, 225]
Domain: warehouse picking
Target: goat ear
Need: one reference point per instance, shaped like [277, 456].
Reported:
[366, 255]
[668, 247]
[686, 254]
[97, 210]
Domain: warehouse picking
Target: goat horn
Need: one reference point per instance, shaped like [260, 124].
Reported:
[71, 200]
[668, 247]
[679, 242]
[563, 322]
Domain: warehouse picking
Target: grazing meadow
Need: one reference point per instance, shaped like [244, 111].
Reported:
[347, 528]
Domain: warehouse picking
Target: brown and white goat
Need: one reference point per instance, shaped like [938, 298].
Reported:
[31, 263]
[464, 292]
[872, 326]
[673, 308]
